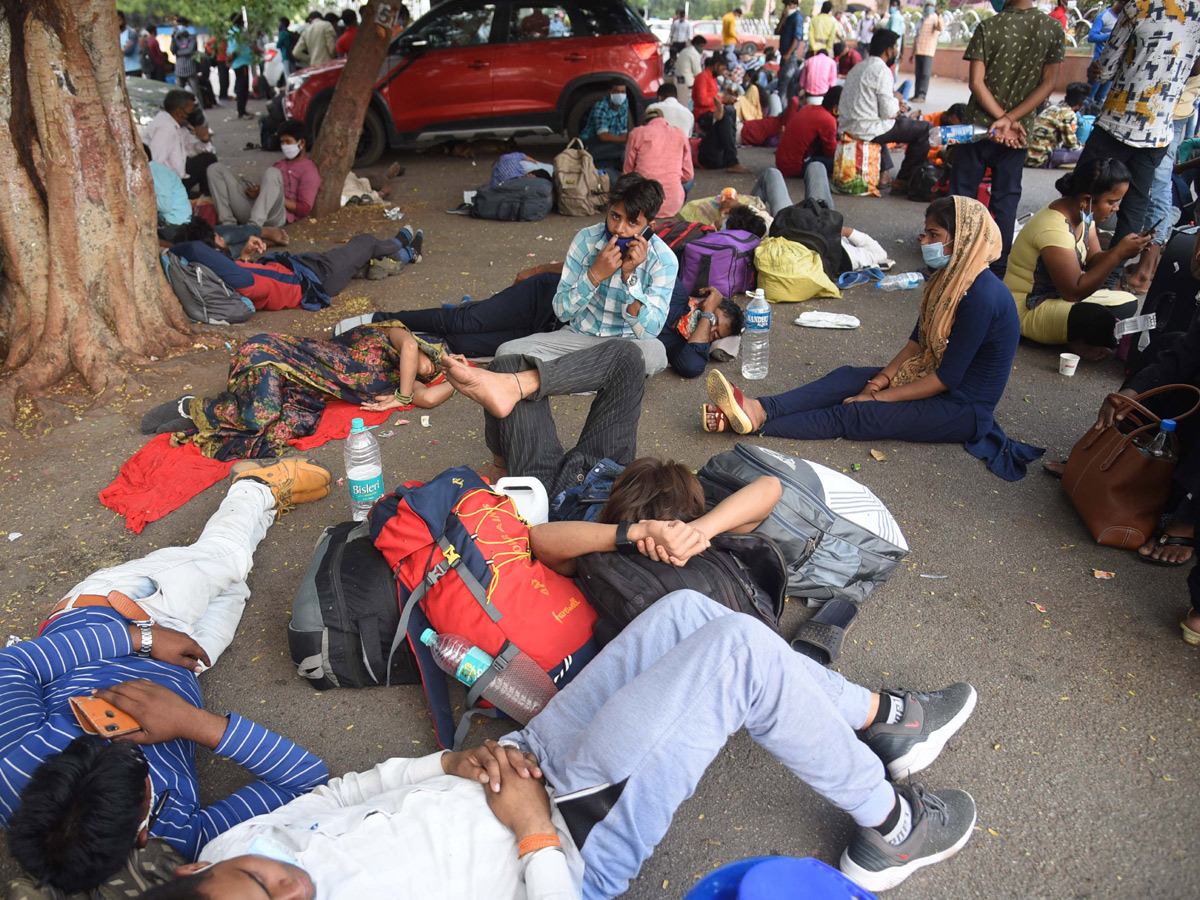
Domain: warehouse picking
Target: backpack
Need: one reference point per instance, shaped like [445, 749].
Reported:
[838, 539]
[924, 184]
[518, 199]
[145, 867]
[817, 227]
[460, 554]
[791, 272]
[345, 615]
[263, 89]
[677, 234]
[581, 189]
[203, 295]
[1174, 298]
[744, 572]
[723, 259]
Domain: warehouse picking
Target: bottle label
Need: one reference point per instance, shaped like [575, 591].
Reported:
[473, 664]
[758, 319]
[366, 490]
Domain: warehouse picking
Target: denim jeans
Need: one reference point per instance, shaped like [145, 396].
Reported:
[1142, 162]
[1008, 167]
[1162, 191]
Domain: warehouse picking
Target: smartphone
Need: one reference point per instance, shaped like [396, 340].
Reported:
[647, 232]
[1154, 228]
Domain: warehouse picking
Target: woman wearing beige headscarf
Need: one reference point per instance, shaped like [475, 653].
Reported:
[943, 386]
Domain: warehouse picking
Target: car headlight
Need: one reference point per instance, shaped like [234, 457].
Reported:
[295, 82]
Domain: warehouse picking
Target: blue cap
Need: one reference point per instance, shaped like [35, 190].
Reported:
[1167, 425]
[428, 636]
[776, 878]
[358, 426]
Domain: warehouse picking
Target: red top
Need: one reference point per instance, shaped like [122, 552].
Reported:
[848, 61]
[301, 181]
[268, 293]
[810, 131]
[704, 93]
[1059, 15]
[343, 43]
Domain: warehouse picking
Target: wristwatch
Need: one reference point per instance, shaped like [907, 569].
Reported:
[146, 627]
[625, 546]
[712, 319]
[632, 280]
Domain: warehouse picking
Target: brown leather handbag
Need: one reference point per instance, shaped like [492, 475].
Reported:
[1119, 491]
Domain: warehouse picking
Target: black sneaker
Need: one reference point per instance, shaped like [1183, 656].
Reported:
[418, 242]
[929, 720]
[169, 416]
[942, 822]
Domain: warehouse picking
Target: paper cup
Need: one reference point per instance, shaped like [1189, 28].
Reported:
[1067, 363]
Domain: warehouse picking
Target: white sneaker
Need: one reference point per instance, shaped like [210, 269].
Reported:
[353, 322]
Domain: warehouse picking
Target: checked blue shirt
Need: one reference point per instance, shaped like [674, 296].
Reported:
[601, 311]
[605, 119]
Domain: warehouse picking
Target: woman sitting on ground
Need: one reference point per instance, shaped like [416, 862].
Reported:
[1057, 271]
[942, 387]
[279, 385]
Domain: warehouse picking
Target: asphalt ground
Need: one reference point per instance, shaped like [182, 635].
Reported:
[1080, 750]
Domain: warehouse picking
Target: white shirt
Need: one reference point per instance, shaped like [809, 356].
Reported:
[688, 64]
[171, 143]
[869, 106]
[676, 114]
[866, 28]
[681, 31]
[407, 831]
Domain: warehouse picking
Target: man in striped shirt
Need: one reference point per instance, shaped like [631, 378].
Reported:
[136, 636]
[615, 282]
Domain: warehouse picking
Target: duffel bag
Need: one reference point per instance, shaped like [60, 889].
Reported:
[723, 260]
[521, 199]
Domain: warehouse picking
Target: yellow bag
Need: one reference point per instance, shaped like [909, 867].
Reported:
[856, 168]
[789, 272]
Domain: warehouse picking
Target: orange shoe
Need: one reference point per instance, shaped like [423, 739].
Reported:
[293, 480]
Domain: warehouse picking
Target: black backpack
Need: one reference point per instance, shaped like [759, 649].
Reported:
[924, 184]
[744, 572]
[520, 199]
[813, 224]
[346, 614]
[1174, 298]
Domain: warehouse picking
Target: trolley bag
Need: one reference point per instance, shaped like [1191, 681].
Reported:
[460, 554]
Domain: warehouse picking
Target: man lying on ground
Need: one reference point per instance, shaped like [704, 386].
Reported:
[136, 635]
[638, 726]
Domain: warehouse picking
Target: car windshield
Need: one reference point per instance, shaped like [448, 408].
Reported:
[609, 18]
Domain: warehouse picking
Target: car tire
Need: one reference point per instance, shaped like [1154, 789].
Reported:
[749, 47]
[578, 111]
[371, 143]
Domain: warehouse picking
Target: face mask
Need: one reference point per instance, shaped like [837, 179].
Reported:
[290, 151]
[618, 100]
[261, 846]
[998, 5]
[1089, 217]
[935, 256]
[622, 243]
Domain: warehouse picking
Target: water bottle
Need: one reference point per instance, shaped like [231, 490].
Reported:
[364, 470]
[904, 282]
[1165, 444]
[957, 134]
[521, 690]
[756, 339]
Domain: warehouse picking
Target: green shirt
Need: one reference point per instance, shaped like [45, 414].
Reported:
[1014, 46]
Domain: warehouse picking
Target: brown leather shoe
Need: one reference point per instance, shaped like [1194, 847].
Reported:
[293, 480]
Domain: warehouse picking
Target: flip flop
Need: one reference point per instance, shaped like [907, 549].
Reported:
[1169, 540]
[860, 276]
[730, 401]
[821, 637]
[1189, 636]
[722, 420]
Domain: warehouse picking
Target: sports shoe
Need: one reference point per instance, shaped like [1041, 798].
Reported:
[353, 321]
[169, 416]
[929, 720]
[418, 242]
[942, 822]
[293, 480]
[404, 236]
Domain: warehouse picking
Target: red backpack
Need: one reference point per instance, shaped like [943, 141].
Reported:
[677, 234]
[460, 553]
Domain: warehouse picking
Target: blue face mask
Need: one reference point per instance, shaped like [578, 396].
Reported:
[998, 5]
[1089, 218]
[262, 846]
[622, 243]
[618, 100]
[934, 255]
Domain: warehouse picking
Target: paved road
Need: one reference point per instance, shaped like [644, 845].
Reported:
[1080, 751]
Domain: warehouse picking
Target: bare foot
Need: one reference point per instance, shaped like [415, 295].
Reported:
[1088, 353]
[384, 193]
[1171, 554]
[492, 472]
[394, 171]
[1193, 621]
[275, 236]
[497, 392]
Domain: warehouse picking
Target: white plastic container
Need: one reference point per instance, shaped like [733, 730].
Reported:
[529, 494]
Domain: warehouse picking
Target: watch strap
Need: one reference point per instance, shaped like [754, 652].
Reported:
[625, 546]
[147, 630]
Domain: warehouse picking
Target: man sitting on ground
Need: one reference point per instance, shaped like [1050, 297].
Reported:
[1052, 140]
[640, 724]
[660, 152]
[287, 191]
[606, 129]
[847, 58]
[179, 139]
[288, 280]
[673, 111]
[615, 283]
[175, 214]
[137, 635]
[808, 142]
[716, 117]
[871, 110]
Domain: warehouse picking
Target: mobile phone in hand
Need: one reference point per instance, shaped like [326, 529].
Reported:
[1153, 229]
[647, 232]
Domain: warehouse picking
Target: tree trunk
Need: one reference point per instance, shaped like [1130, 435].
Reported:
[336, 144]
[82, 291]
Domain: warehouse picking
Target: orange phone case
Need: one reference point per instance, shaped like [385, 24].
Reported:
[99, 717]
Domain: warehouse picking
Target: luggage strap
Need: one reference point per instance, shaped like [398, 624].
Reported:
[506, 655]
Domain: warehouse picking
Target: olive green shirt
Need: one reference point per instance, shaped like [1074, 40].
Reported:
[1014, 46]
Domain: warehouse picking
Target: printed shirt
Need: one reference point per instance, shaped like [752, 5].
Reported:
[301, 181]
[1014, 47]
[508, 166]
[1148, 58]
[602, 311]
[927, 35]
[869, 106]
[90, 648]
[605, 119]
[1053, 130]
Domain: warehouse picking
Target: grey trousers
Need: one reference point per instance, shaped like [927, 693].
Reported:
[235, 208]
[554, 344]
[527, 438]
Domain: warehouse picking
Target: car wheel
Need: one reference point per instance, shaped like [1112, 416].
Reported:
[749, 47]
[579, 110]
[371, 142]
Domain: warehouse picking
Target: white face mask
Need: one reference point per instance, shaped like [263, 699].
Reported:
[290, 151]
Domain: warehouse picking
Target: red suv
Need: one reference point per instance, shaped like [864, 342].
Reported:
[474, 69]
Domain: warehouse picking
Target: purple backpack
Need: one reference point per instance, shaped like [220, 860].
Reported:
[723, 259]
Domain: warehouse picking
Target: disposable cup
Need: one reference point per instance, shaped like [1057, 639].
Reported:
[1067, 363]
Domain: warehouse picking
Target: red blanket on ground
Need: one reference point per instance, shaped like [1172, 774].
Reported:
[159, 478]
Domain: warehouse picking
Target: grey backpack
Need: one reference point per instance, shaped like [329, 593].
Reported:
[520, 199]
[203, 295]
[838, 539]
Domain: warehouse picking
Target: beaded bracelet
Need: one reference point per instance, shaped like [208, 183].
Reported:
[534, 842]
